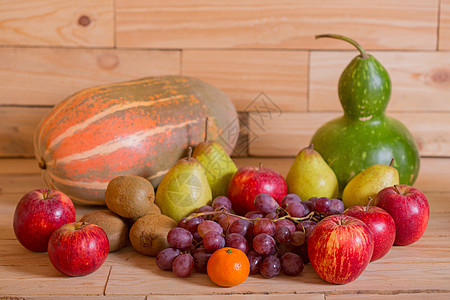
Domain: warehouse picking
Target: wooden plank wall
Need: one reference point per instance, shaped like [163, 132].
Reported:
[261, 53]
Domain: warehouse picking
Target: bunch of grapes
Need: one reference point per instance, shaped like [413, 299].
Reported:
[274, 237]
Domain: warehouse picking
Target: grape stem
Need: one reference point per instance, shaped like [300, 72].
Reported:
[222, 211]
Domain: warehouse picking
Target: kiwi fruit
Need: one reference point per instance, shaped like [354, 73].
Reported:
[113, 225]
[130, 196]
[148, 235]
[155, 210]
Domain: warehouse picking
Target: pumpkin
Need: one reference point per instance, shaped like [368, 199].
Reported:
[140, 127]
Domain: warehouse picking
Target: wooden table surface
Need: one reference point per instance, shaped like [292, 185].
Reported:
[417, 271]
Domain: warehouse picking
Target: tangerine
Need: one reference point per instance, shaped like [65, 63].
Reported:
[228, 267]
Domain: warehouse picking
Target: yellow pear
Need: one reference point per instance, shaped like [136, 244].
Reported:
[310, 176]
[218, 164]
[368, 183]
[183, 189]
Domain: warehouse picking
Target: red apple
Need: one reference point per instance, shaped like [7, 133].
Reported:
[250, 181]
[340, 248]
[409, 208]
[381, 225]
[38, 214]
[78, 248]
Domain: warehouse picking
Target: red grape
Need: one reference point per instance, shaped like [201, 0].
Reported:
[287, 223]
[179, 238]
[309, 206]
[221, 202]
[255, 260]
[192, 224]
[183, 265]
[235, 240]
[213, 241]
[242, 227]
[296, 210]
[263, 244]
[265, 203]
[288, 199]
[207, 226]
[254, 215]
[264, 225]
[270, 266]
[337, 205]
[271, 216]
[285, 248]
[291, 264]
[165, 258]
[298, 238]
[225, 222]
[201, 257]
[282, 234]
[322, 205]
[205, 208]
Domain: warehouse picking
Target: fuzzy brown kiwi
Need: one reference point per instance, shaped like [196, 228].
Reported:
[113, 225]
[148, 235]
[130, 196]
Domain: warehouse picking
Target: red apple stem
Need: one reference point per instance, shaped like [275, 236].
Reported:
[46, 193]
[391, 163]
[368, 203]
[260, 166]
[396, 189]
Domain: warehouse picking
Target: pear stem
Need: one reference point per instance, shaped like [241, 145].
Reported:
[206, 129]
[348, 40]
[311, 147]
[189, 152]
[391, 163]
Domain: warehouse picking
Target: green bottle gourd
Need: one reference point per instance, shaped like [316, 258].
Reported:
[365, 135]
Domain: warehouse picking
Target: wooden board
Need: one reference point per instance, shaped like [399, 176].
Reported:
[420, 80]
[17, 129]
[46, 76]
[391, 278]
[407, 272]
[261, 81]
[285, 134]
[57, 23]
[444, 25]
[276, 24]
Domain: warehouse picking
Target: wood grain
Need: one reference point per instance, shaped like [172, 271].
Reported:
[444, 25]
[247, 297]
[287, 133]
[17, 130]
[390, 278]
[420, 80]
[409, 296]
[275, 24]
[57, 23]
[46, 76]
[44, 280]
[254, 80]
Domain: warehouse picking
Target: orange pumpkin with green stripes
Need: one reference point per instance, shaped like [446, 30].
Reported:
[139, 127]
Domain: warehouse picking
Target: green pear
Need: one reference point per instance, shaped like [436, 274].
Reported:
[310, 176]
[368, 183]
[218, 164]
[183, 189]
